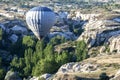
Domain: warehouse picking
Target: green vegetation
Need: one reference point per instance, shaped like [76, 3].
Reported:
[81, 51]
[103, 76]
[110, 6]
[76, 29]
[115, 65]
[31, 57]
[39, 57]
[1, 34]
[57, 40]
[2, 71]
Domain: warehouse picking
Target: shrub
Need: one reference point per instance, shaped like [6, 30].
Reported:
[103, 76]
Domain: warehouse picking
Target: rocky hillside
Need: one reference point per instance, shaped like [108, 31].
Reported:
[91, 68]
[103, 32]
[84, 44]
[102, 35]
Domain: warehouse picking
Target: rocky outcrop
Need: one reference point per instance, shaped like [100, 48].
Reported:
[6, 56]
[13, 30]
[19, 30]
[99, 32]
[63, 31]
[92, 16]
[34, 78]
[103, 67]
[78, 15]
[65, 46]
[78, 67]
[46, 76]
[66, 77]
[42, 77]
[12, 76]
[115, 43]
[61, 16]
[117, 76]
[13, 38]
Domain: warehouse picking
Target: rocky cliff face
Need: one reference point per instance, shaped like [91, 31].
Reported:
[115, 43]
[78, 67]
[117, 76]
[102, 31]
[102, 35]
[92, 16]
[92, 68]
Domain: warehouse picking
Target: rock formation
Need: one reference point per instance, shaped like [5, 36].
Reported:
[12, 76]
[102, 31]
[77, 67]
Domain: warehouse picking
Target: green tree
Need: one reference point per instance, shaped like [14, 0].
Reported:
[17, 48]
[57, 40]
[39, 51]
[63, 58]
[2, 71]
[14, 63]
[40, 45]
[28, 41]
[28, 57]
[2, 74]
[103, 76]
[81, 51]
[49, 51]
[1, 33]
[44, 66]
[18, 64]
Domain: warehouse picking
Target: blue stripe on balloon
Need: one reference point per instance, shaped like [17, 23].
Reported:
[40, 9]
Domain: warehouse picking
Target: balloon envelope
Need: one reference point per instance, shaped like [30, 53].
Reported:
[40, 20]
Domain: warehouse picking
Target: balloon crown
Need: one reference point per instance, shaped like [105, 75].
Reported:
[39, 8]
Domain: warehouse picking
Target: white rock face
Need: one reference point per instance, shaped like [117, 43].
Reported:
[45, 76]
[117, 19]
[34, 78]
[19, 30]
[61, 16]
[2, 26]
[86, 16]
[102, 31]
[81, 16]
[13, 38]
[77, 67]
[62, 31]
[12, 76]
[115, 43]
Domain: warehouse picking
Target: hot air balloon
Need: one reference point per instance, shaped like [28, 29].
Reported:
[40, 20]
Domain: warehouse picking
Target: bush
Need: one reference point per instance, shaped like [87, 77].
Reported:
[44, 66]
[28, 41]
[39, 58]
[42, 78]
[2, 74]
[1, 33]
[2, 71]
[104, 76]
[81, 50]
